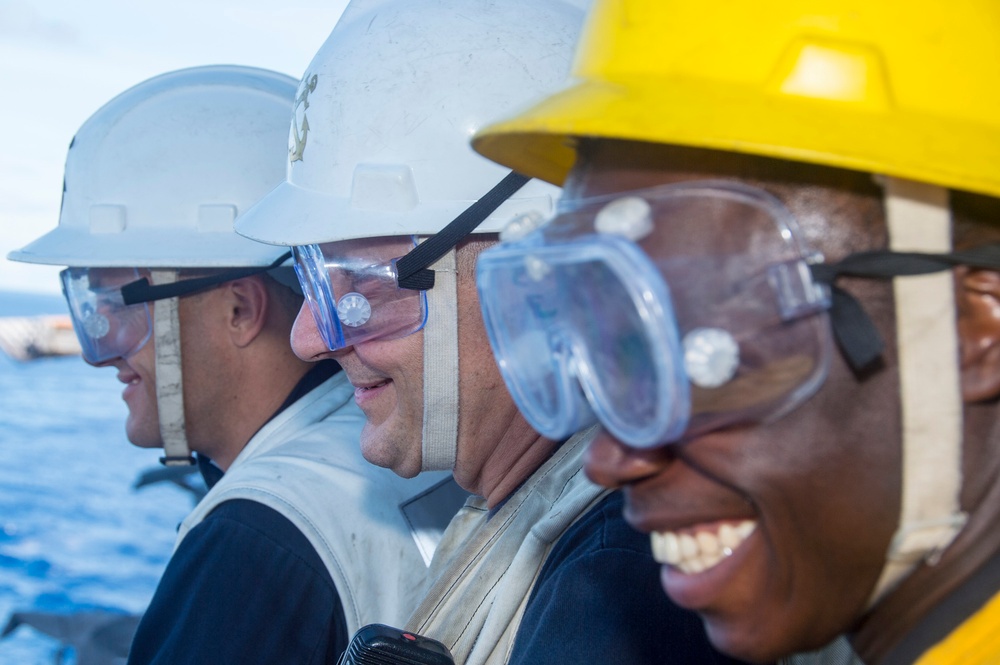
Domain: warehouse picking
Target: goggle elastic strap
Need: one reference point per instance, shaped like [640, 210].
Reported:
[412, 270]
[854, 331]
[141, 290]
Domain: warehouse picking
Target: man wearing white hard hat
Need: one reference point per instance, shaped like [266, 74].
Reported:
[299, 541]
[533, 568]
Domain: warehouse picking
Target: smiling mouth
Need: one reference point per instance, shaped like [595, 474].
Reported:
[364, 389]
[697, 550]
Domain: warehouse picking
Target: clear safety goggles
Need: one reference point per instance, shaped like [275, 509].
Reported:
[376, 288]
[712, 320]
[353, 292]
[109, 307]
[106, 327]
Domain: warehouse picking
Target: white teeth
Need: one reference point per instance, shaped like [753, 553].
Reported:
[728, 536]
[701, 551]
[666, 546]
[708, 543]
[689, 546]
[712, 559]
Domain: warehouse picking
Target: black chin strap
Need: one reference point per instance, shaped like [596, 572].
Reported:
[853, 329]
[412, 271]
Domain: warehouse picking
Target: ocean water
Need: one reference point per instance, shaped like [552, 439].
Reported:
[74, 534]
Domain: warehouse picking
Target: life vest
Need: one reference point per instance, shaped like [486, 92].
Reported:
[486, 566]
[373, 530]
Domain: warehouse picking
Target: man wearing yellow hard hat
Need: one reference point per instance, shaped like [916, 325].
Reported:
[774, 279]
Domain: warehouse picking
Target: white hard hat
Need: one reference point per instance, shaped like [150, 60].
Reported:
[379, 139]
[157, 175]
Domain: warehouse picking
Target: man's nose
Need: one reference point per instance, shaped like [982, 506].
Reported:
[611, 463]
[307, 342]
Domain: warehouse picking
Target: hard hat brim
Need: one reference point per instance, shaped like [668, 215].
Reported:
[292, 215]
[541, 141]
[144, 248]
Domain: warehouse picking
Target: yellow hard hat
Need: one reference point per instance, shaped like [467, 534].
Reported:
[907, 88]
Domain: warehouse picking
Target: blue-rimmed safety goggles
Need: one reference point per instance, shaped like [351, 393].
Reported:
[109, 307]
[106, 327]
[375, 288]
[617, 311]
[353, 292]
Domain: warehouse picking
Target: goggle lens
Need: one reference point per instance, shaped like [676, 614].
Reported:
[352, 291]
[572, 351]
[673, 333]
[106, 327]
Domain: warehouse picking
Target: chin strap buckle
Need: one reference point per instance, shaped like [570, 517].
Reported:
[173, 460]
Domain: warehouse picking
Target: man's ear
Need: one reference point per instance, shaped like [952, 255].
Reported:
[977, 296]
[248, 305]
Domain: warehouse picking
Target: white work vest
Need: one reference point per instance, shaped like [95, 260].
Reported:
[484, 569]
[373, 530]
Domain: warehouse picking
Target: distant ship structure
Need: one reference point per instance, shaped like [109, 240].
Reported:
[26, 338]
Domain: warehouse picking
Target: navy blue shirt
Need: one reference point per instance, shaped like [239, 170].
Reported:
[598, 599]
[245, 586]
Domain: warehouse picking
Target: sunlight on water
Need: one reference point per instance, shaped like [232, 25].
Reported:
[73, 533]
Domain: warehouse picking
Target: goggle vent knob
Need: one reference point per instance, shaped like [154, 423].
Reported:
[354, 310]
[521, 226]
[630, 217]
[711, 357]
[96, 325]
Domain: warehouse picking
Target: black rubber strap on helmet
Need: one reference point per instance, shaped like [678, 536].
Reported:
[141, 290]
[853, 329]
[412, 270]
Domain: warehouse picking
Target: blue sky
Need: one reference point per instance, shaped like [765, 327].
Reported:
[60, 60]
